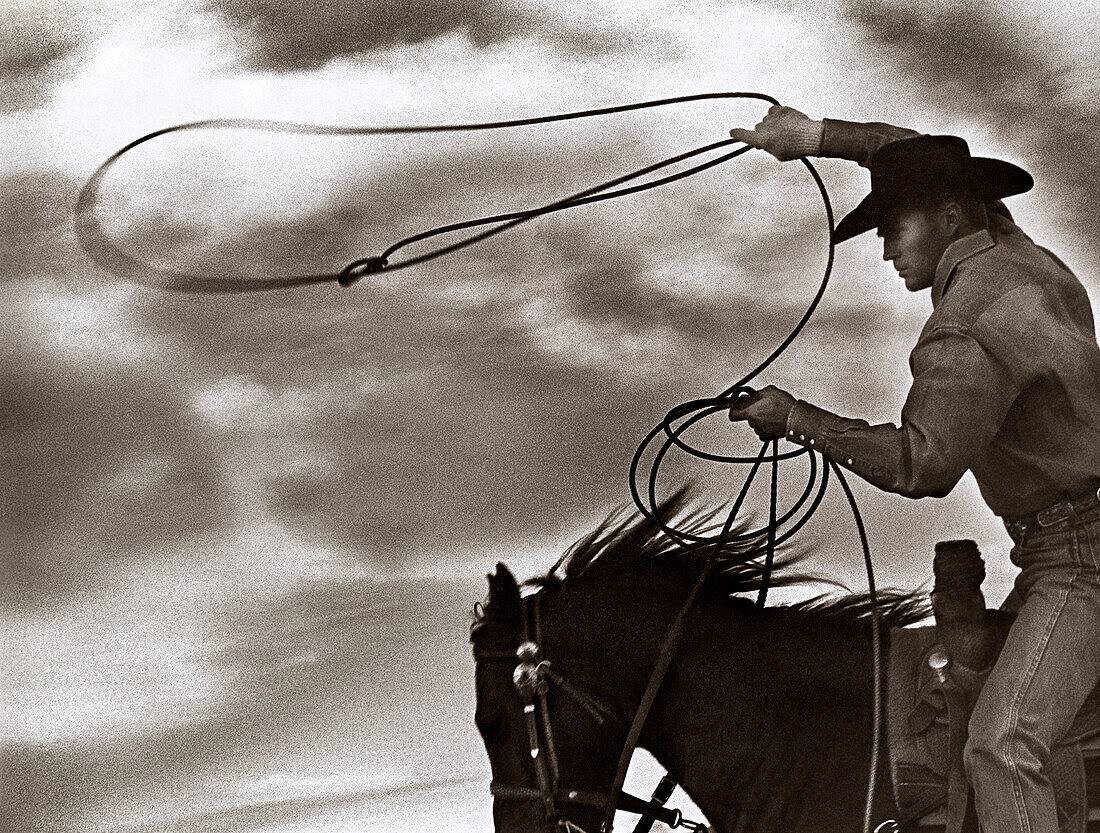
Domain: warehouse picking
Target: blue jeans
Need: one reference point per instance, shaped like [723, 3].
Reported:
[1048, 667]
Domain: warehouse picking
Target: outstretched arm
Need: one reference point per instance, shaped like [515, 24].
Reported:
[788, 134]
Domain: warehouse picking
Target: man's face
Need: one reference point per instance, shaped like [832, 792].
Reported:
[914, 240]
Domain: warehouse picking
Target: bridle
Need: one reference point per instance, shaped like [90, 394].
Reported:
[532, 679]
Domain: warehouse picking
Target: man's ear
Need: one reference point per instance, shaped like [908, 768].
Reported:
[952, 214]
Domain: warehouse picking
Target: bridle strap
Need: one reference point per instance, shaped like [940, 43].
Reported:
[548, 738]
[597, 710]
[546, 785]
[656, 678]
[509, 792]
[625, 801]
[532, 684]
[546, 766]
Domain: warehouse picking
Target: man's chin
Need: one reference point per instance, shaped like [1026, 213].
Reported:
[914, 283]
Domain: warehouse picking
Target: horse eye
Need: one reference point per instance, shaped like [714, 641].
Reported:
[489, 725]
[484, 722]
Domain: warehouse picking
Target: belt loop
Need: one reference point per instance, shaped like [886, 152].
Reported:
[1072, 516]
[1016, 531]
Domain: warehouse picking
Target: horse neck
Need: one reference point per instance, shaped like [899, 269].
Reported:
[609, 632]
[764, 717]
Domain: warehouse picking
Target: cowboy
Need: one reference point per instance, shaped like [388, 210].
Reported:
[1006, 384]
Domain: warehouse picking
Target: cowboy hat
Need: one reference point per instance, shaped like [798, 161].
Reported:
[921, 165]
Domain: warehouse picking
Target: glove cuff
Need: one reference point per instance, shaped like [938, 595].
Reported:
[806, 138]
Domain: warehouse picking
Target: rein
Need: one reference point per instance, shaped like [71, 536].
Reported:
[532, 679]
[656, 678]
[672, 639]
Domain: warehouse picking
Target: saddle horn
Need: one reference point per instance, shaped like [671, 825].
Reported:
[962, 622]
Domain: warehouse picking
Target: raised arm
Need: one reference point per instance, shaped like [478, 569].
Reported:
[788, 134]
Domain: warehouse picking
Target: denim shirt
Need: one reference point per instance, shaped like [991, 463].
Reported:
[1006, 383]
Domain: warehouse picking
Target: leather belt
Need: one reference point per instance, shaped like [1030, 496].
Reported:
[1019, 525]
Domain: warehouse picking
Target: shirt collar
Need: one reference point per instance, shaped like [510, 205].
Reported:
[955, 254]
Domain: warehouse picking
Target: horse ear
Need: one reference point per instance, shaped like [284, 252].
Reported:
[503, 592]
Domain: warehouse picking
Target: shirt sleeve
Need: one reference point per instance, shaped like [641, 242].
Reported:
[957, 404]
[857, 141]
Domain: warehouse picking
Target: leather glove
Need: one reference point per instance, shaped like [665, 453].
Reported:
[766, 412]
[785, 133]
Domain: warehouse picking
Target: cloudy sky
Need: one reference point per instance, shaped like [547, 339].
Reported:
[246, 531]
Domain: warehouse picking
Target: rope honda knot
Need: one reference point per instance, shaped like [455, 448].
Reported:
[358, 268]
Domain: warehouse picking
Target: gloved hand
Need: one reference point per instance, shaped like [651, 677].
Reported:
[785, 133]
[766, 412]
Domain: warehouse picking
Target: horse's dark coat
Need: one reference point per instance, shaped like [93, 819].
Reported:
[765, 716]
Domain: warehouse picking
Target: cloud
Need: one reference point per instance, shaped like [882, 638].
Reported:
[36, 223]
[38, 42]
[102, 451]
[287, 37]
[409, 427]
[415, 429]
[31, 65]
[496, 394]
[98, 440]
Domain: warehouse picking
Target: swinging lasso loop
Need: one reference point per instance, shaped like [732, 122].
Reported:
[109, 256]
[105, 253]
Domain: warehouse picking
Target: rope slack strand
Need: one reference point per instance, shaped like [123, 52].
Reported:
[763, 541]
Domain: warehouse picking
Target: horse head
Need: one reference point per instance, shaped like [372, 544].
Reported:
[553, 745]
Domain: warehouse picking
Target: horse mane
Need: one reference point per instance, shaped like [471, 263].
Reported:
[629, 543]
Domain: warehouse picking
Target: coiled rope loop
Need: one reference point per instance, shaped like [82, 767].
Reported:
[681, 418]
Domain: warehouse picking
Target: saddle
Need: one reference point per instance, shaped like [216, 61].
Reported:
[931, 691]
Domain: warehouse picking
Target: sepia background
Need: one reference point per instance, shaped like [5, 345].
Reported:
[245, 533]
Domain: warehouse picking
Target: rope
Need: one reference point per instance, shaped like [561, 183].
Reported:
[688, 414]
[876, 650]
[679, 420]
[769, 555]
[683, 417]
[110, 257]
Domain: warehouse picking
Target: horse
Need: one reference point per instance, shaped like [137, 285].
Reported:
[765, 716]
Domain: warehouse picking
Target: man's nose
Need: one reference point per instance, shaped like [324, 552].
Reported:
[888, 252]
